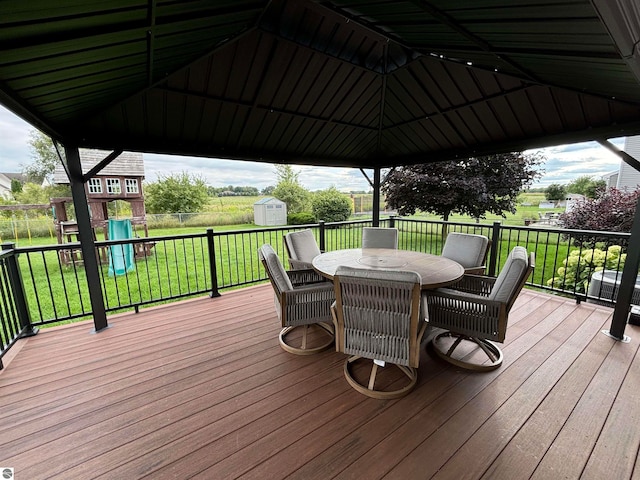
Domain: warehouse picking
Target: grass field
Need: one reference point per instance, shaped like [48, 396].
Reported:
[181, 266]
[226, 213]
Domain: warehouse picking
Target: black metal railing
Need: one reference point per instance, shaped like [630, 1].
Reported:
[15, 321]
[46, 285]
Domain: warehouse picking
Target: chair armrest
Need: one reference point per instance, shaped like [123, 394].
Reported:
[299, 265]
[475, 284]
[466, 313]
[479, 270]
[309, 303]
[305, 277]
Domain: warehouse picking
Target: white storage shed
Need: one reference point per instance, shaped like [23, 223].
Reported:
[270, 211]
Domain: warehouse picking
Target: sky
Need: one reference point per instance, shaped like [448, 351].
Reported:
[564, 163]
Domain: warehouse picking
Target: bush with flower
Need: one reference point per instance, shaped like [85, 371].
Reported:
[577, 269]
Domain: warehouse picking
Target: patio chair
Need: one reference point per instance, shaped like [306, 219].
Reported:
[377, 237]
[299, 303]
[377, 316]
[301, 248]
[477, 318]
[468, 250]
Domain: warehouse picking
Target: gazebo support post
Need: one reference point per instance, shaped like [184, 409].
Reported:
[627, 283]
[90, 259]
[376, 197]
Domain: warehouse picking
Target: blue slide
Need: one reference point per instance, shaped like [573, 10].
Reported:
[121, 258]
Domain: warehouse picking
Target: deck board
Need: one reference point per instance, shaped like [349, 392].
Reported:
[201, 389]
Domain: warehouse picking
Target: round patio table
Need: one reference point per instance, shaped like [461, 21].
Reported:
[435, 271]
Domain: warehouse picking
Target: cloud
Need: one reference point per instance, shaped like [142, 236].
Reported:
[14, 142]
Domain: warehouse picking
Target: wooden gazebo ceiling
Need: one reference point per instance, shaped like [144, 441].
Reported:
[344, 83]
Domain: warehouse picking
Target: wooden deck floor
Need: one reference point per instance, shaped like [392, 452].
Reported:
[201, 389]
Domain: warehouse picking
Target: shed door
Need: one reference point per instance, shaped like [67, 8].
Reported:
[271, 215]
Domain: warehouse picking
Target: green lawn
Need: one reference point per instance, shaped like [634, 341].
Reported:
[181, 266]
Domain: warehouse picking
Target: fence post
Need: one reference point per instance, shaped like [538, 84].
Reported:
[392, 221]
[323, 247]
[17, 287]
[495, 242]
[212, 265]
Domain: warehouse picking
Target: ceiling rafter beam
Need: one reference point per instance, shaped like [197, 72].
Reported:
[526, 51]
[318, 51]
[383, 93]
[160, 81]
[449, 21]
[270, 109]
[151, 36]
[444, 111]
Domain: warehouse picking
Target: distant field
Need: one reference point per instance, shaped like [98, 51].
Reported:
[237, 213]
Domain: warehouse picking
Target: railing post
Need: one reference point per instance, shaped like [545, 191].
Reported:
[392, 221]
[212, 265]
[493, 254]
[323, 246]
[17, 287]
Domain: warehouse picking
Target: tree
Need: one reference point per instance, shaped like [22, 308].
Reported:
[33, 193]
[474, 186]
[587, 186]
[16, 186]
[594, 188]
[612, 210]
[44, 155]
[290, 191]
[555, 192]
[176, 193]
[331, 206]
[268, 190]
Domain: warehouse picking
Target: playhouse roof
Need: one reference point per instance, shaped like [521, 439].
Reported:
[128, 164]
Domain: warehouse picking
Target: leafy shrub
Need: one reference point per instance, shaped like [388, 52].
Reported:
[301, 218]
[577, 268]
[612, 210]
[331, 206]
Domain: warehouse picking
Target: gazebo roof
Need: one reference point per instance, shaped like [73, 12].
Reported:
[344, 83]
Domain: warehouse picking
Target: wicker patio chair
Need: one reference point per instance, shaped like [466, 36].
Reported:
[299, 303]
[469, 250]
[377, 237]
[377, 316]
[478, 317]
[301, 248]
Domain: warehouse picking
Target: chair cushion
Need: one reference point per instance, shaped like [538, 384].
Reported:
[302, 245]
[276, 271]
[467, 249]
[508, 282]
[376, 237]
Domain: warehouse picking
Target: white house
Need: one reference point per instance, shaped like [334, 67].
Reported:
[5, 183]
[270, 211]
[626, 177]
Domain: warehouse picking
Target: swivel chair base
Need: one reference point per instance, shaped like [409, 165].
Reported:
[445, 350]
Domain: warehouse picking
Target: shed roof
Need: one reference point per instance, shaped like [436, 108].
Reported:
[348, 83]
[266, 200]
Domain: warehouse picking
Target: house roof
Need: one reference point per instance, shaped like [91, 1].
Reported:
[21, 177]
[347, 83]
[127, 164]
